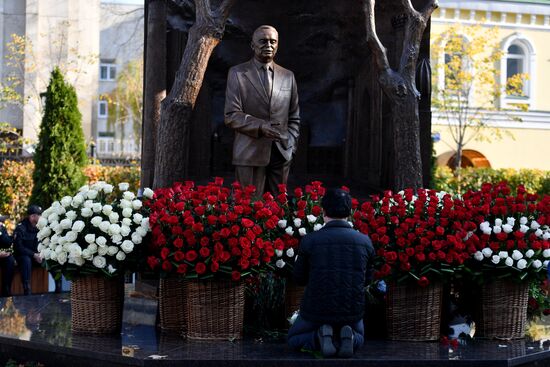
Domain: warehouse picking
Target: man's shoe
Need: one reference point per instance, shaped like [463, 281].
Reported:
[325, 341]
[346, 342]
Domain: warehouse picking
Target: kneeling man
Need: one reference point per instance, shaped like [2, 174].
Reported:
[334, 263]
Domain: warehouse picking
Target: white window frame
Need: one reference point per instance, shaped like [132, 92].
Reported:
[529, 58]
[111, 70]
[99, 114]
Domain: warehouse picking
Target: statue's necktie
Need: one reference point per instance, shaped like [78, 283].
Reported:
[267, 80]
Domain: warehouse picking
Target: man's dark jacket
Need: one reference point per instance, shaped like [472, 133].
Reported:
[5, 238]
[334, 263]
[24, 239]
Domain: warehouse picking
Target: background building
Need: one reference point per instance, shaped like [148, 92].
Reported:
[524, 36]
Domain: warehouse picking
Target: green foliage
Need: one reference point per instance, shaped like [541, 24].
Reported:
[61, 152]
[114, 174]
[472, 178]
[15, 189]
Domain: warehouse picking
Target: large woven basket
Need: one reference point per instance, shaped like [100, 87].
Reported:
[503, 313]
[171, 305]
[413, 312]
[293, 297]
[215, 309]
[96, 305]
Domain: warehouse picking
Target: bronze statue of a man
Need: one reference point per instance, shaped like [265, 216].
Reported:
[261, 105]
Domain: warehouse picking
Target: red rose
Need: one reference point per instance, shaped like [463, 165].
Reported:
[204, 251]
[179, 256]
[247, 223]
[200, 268]
[205, 241]
[182, 268]
[153, 262]
[423, 281]
[298, 192]
[178, 242]
[166, 266]
[214, 266]
[235, 276]
[316, 210]
[212, 219]
[164, 253]
[191, 255]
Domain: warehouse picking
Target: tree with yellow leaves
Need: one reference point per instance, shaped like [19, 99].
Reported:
[466, 83]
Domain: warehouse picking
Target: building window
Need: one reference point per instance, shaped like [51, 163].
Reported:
[107, 72]
[516, 63]
[102, 109]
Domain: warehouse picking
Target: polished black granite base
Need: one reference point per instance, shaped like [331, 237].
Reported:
[37, 328]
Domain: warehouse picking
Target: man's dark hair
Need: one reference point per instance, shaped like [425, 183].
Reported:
[336, 203]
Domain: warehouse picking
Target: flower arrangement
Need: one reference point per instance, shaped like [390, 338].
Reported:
[93, 232]
[416, 237]
[512, 238]
[211, 231]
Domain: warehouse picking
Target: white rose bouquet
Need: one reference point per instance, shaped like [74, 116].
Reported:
[94, 232]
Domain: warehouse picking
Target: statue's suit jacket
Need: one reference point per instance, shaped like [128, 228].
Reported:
[247, 107]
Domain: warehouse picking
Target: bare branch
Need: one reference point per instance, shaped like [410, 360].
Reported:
[224, 8]
[376, 46]
[203, 10]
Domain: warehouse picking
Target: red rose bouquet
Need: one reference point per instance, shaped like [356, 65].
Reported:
[416, 237]
[211, 231]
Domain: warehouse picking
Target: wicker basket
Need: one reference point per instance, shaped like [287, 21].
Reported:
[96, 305]
[293, 297]
[171, 305]
[503, 312]
[215, 309]
[414, 313]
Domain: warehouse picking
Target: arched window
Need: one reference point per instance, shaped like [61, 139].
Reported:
[519, 58]
[516, 63]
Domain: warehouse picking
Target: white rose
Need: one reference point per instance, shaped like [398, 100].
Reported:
[136, 238]
[486, 230]
[148, 193]
[297, 222]
[66, 223]
[107, 209]
[538, 232]
[507, 228]
[546, 253]
[59, 210]
[503, 254]
[495, 259]
[290, 252]
[78, 226]
[102, 251]
[116, 238]
[535, 225]
[44, 232]
[511, 221]
[279, 253]
[86, 212]
[88, 204]
[112, 250]
[516, 255]
[104, 226]
[40, 247]
[71, 214]
[62, 258]
[127, 212]
[280, 263]
[108, 189]
[123, 186]
[53, 255]
[137, 218]
[99, 262]
[71, 236]
[87, 254]
[509, 261]
[79, 261]
[92, 194]
[128, 195]
[125, 203]
[45, 253]
[96, 207]
[311, 218]
[282, 223]
[54, 217]
[522, 264]
[523, 228]
[84, 189]
[141, 231]
[145, 224]
[497, 229]
[96, 221]
[137, 204]
[113, 217]
[110, 269]
[114, 229]
[76, 251]
[127, 246]
[523, 220]
[120, 256]
[42, 222]
[302, 231]
[77, 201]
[92, 247]
[289, 231]
[498, 222]
[546, 235]
[529, 253]
[537, 264]
[478, 255]
[317, 226]
[484, 225]
[127, 222]
[101, 241]
[66, 201]
[545, 263]
[125, 230]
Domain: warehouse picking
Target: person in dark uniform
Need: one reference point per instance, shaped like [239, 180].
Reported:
[26, 245]
[7, 262]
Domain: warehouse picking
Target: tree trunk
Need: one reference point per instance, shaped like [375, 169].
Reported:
[155, 87]
[172, 149]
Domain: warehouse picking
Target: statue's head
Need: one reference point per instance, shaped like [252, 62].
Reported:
[265, 42]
